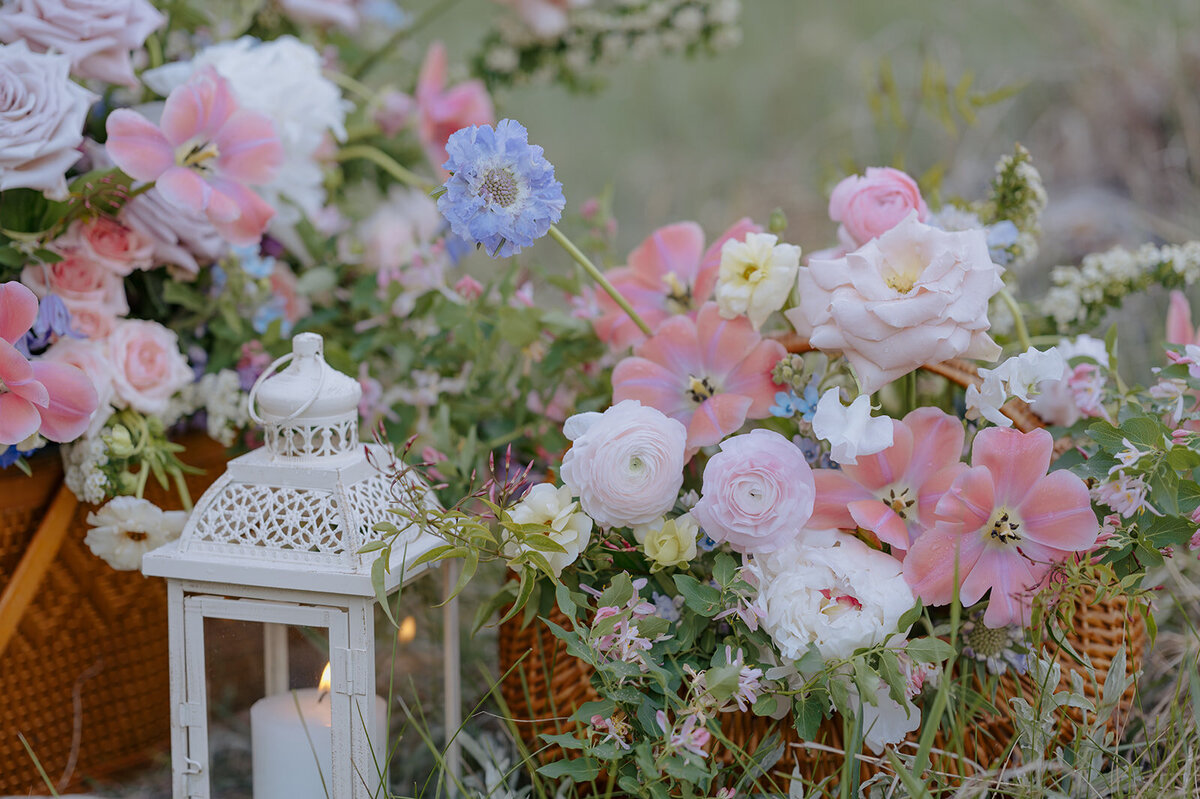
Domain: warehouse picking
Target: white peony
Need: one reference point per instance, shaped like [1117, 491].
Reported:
[834, 592]
[850, 429]
[281, 79]
[755, 276]
[570, 528]
[129, 527]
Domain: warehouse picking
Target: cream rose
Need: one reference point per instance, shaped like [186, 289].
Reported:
[913, 296]
[147, 366]
[41, 119]
[557, 508]
[626, 465]
[669, 542]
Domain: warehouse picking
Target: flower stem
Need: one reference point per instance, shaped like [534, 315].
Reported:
[596, 275]
[386, 163]
[1018, 318]
[400, 34]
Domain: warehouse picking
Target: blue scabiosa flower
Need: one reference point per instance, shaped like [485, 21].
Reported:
[501, 193]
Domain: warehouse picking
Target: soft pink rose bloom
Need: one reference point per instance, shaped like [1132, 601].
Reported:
[1002, 524]
[97, 35]
[148, 367]
[893, 493]
[913, 296]
[711, 374]
[93, 293]
[54, 399]
[669, 273]
[41, 120]
[206, 152]
[546, 18]
[341, 13]
[758, 493]
[626, 464]
[111, 244]
[441, 111]
[92, 358]
[284, 284]
[871, 205]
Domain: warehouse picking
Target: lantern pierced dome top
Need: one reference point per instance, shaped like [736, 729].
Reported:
[309, 499]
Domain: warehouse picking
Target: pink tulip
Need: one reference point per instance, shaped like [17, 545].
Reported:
[442, 111]
[711, 374]
[54, 399]
[206, 153]
[1179, 321]
[667, 274]
[1002, 524]
[893, 493]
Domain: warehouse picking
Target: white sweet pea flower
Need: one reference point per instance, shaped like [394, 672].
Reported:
[1023, 374]
[850, 430]
[985, 399]
[755, 276]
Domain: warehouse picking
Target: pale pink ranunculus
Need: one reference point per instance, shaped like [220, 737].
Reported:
[872, 204]
[711, 374]
[1001, 526]
[92, 358]
[913, 296]
[626, 464]
[442, 110]
[110, 244]
[96, 35]
[42, 112]
[893, 493]
[148, 367]
[205, 155]
[322, 13]
[758, 493]
[668, 274]
[93, 293]
[54, 399]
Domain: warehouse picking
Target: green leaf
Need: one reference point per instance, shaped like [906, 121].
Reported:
[562, 598]
[889, 670]
[378, 572]
[808, 712]
[1182, 459]
[1144, 430]
[909, 617]
[724, 569]
[544, 543]
[722, 681]
[618, 593]
[523, 593]
[1107, 436]
[580, 769]
[929, 649]
[565, 740]
[600, 707]
[703, 599]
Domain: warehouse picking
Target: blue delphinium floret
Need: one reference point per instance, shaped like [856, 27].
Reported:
[501, 193]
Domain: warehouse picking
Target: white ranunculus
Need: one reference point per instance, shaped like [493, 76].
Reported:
[850, 429]
[755, 276]
[128, 527]
[41, 120]
[570, 528]
[836, 593]
[282, 79]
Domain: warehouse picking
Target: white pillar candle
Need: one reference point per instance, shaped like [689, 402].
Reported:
[285, 763]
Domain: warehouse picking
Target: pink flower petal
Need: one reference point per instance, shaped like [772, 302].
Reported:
[724, 343]
[651, 384]
[19, 377]
[929, 566]
[1016, 460]
[710, 264]
[937, 443]
[673, 249]
[184, 189]
[752, 377]
[970, 499]
[1009, 575]
[254, 214]
[249, 148]
[873, 515]
[19, 419]
[1179, 320]
[197, 109]
[835, 491]
[931, 492]
[676, 345]
[73, 400]
[1058, 513]
[715, 418]
[136, 146]
[18, 310]
[432, 77]
[884, 468]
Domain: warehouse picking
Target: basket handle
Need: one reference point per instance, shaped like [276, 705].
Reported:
[39, 555]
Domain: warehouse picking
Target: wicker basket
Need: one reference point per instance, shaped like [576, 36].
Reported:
[83, 648]
[545, 684]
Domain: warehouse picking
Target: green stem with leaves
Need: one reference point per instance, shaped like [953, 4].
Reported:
[385, 162]
[599, 277]
[1018, 318]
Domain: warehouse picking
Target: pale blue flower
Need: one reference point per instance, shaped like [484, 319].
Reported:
[789, 403]
[253, 262]
[1000, 238]
[501, 193]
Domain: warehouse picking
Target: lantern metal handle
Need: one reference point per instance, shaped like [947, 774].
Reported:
[268, 372]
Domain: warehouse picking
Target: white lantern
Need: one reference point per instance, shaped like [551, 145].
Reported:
[276, 540]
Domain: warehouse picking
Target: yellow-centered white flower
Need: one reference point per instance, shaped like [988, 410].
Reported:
[669, 542]
[755, 277]
[570, 528]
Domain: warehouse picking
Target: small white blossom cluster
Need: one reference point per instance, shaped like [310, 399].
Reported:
[606, 32]
[82, 462]
[1080, 293]
[220, 396]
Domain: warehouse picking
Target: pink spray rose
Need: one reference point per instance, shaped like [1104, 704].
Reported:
[54, 399]
[915, 295]
[626, 464]
[758, 493]
[148, 367]
[97, 35]
[93, 293]
[42, 112]
[871, 205]
[111, 244]
[206, 153]
[441, 111]
[1001, 525]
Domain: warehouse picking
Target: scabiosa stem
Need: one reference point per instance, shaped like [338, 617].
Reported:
[386, 163]
[598, 276]
[1018, 318]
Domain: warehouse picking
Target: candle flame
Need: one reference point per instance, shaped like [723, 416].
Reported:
[326, 682]
[408, 630]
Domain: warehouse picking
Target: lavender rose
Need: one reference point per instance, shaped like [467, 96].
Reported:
[95, 35]
[41, 119]
[626, 465]
[758, 492]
